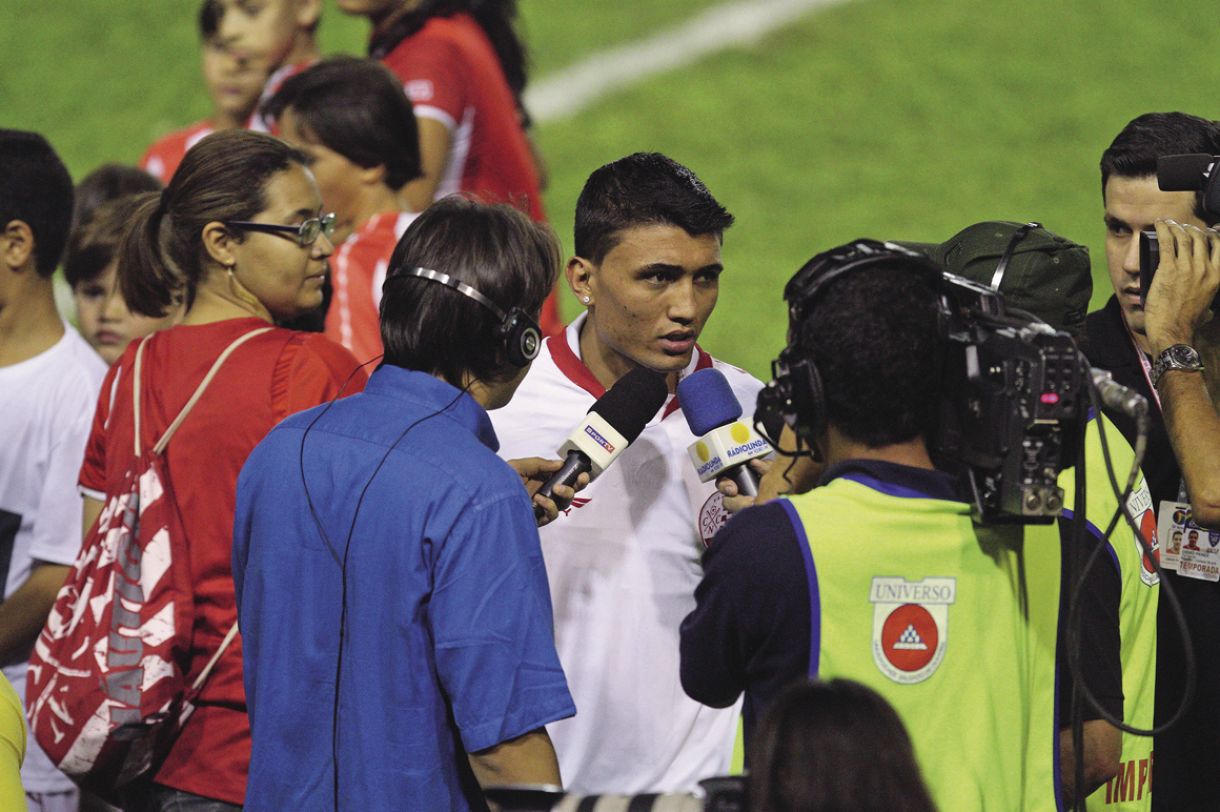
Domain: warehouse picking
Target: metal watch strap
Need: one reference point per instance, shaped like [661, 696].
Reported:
[1166, 361]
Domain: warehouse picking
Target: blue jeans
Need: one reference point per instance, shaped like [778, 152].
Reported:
[167, 799]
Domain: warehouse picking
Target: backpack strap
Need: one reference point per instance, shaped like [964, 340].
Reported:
[135, 390]
[203, 385]
[197, 685]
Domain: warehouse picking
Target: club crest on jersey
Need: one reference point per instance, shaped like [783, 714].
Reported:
[712, 517]
[1139, 505]
[910, 625]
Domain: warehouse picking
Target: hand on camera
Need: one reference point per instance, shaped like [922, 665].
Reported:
[1186, 281]
[534, 472]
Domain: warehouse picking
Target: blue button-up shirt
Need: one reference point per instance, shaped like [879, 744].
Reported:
[447, 643]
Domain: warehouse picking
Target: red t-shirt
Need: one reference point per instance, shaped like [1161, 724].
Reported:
[162, 158]
[450, 72]
[358, 269]
[272, 86]
[263, 381]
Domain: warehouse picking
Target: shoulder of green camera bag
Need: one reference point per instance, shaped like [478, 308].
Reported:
[1046, 275]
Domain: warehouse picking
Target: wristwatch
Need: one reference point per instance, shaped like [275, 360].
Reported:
[1178, 356]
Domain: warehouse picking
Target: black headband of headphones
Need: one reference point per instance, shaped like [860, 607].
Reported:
[815, 276]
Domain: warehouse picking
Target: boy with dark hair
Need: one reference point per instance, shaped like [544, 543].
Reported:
[107, 182]
[1118, 342]
[91, 269]
[422, 663]
[624, 563]
[49, 380]
[248, 49]
[352, 119]
[233, 84]
[867, 576]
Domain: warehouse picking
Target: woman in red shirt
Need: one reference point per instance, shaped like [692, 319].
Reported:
[463, 66]
[240, 240]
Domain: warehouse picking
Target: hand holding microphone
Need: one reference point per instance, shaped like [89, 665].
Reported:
[613, 422]
[534, 472]
[726, 445]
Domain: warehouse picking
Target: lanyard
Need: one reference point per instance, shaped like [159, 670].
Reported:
[1146, 366]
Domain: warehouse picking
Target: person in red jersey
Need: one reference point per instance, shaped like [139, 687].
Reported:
[350, 117]
[463, 67]
[233, 86]
[244, 43]
[240, 238]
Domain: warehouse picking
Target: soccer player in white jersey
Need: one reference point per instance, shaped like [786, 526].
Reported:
[624, 563]
[49, 380]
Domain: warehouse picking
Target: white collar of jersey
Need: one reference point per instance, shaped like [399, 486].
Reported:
[571, 336]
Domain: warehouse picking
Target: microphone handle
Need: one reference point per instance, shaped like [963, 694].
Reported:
[745, 479]
[575, 465]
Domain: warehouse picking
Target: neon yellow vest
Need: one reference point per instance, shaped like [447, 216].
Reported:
[954, 625]
[1131, 789]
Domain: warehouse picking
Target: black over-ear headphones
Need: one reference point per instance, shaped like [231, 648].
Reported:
[521, 336]
[795, 394]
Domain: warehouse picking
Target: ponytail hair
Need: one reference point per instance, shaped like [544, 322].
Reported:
[162, 259]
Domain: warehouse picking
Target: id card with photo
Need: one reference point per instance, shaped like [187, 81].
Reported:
[1191, 550]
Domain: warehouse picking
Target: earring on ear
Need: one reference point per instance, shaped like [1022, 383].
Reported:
[587, 299]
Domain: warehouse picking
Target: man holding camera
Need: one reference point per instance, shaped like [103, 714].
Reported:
[1156, 351]
[869, 575]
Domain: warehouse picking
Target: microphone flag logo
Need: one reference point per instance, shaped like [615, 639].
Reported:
[910, 626]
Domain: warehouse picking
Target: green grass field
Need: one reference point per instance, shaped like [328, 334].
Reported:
[903, 119]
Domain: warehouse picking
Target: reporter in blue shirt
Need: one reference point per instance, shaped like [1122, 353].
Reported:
[393, 605]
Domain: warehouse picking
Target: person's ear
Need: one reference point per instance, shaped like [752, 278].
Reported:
[308, 14]
[17, 245]
[220, 244]
[581, 274]
[372, 175]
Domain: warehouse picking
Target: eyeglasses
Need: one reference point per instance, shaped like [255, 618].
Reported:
[306, 233]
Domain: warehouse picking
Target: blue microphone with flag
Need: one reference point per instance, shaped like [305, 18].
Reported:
[725, 443]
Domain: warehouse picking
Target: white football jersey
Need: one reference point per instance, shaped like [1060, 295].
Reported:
[623, 564]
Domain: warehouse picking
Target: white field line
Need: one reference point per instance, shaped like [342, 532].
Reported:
[575, 88]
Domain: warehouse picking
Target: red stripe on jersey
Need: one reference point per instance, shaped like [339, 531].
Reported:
[579, 373]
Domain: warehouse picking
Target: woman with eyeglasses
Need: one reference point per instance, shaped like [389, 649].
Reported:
[238, 238]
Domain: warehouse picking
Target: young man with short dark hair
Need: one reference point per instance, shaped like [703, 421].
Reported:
[1118, 341]
[624, 562]
[49, 380]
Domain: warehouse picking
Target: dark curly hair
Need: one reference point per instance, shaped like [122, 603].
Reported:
[873, 335]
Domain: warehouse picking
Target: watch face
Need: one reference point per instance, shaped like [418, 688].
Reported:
[1180, 354]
